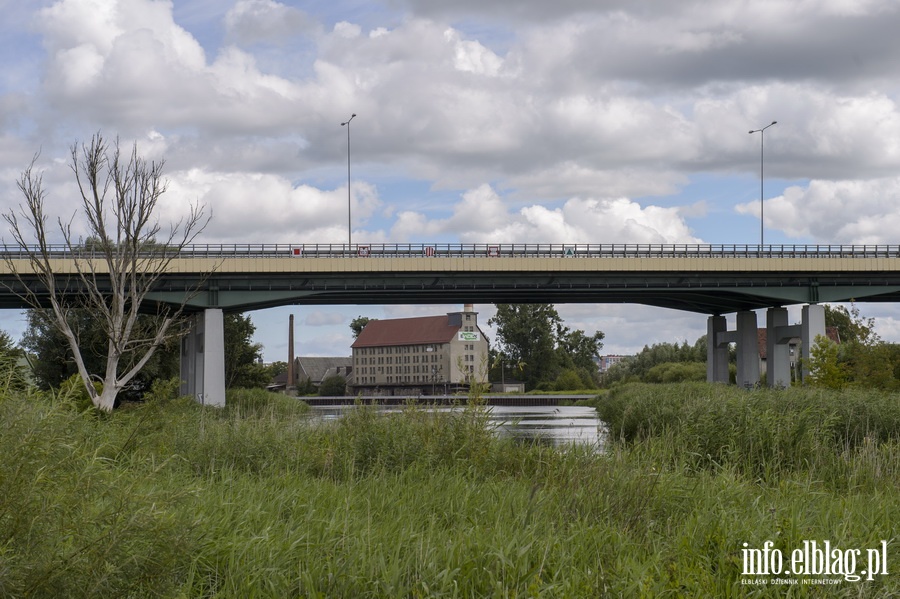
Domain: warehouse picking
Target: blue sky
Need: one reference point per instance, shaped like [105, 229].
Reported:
[587, 121]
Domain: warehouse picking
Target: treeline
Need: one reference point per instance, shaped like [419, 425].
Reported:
[535, 347]
[52, 364]
[859, 358]
[662, 363]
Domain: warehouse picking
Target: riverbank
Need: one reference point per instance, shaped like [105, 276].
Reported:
[170, 499]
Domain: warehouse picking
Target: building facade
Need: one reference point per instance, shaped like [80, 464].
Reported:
[420, 356]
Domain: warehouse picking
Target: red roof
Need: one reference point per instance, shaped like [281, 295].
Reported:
[406, 331]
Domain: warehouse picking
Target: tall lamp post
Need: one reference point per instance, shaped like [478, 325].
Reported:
[349, 226]
[762, 136]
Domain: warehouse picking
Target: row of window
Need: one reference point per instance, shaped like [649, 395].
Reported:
[370, 380]
[400, 369]
[400, 349]
[400, 360]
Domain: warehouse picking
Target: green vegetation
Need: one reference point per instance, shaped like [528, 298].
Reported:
[53, 362]
[533, 345]
[173, 499]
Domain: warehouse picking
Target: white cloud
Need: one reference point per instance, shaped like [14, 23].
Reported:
[481, 217]
[848, 212]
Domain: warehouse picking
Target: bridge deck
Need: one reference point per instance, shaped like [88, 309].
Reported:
[711, 279]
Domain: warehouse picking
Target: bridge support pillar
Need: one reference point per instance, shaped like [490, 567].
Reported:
[203, 358]
[747, 350]
[716, 350]
[811, 325]
[778, 351]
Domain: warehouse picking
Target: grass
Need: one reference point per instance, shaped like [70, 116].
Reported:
[171, 499]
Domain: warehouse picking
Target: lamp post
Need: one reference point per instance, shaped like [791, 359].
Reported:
[762, 136]
[349, 226]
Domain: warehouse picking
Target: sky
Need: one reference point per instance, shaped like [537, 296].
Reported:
[573, 121]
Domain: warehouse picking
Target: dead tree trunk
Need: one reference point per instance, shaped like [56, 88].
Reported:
[116, 266]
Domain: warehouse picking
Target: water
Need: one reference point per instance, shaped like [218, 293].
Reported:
[549, 425]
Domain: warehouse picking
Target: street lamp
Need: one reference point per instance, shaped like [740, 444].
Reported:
[349, 226]
[762, 135]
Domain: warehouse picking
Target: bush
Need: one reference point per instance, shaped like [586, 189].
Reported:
[333, 386]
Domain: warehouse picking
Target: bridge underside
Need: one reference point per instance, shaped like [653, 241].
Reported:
[707, 286]
[704, 294]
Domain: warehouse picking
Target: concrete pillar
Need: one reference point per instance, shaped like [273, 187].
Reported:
[716, 350]
[778, 352]
[203, 358]
[811, 325]
[747, 350]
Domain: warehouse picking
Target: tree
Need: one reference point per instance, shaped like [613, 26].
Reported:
[54, 362]
[119, 193]
[851, 326]
[579, 351]
[639, 366]
[243, 366]
[526, 334]
[533, 338]
[359, 323]
[824, 368]
[333, 386]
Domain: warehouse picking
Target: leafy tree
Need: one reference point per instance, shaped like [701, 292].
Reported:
[824, 368]
[276, 368]
[851, 326]
[526, 333]
[359, 323]
[579, 351]
[334, 385]
[532, 339]
[243, 358]
[53, 362]
[637, 367]
[118, 195]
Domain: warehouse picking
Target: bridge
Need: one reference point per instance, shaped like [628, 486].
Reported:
[708, 279]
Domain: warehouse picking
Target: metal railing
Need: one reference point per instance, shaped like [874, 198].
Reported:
[488, 250]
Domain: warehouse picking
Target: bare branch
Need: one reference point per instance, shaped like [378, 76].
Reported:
[115, 267]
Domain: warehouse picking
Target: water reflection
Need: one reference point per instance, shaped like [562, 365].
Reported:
[548, 425]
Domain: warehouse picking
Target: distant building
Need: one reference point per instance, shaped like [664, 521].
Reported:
[605, 362]
[420, 356]
[316, 370]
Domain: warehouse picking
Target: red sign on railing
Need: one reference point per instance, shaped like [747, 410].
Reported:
[362, 251]
[429, 251]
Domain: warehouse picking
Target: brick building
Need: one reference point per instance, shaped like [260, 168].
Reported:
[420, 356]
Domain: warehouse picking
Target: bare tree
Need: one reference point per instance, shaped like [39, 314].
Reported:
[115, 267]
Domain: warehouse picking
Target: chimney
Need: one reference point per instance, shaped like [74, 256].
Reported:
[468, 308]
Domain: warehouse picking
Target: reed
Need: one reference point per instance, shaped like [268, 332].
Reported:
[171, 499]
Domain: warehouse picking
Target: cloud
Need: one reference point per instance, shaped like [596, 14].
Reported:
[482, 217]
[252, 21]
[848, 212]
[249, 207]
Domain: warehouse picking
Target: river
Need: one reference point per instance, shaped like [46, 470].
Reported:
[550, 425]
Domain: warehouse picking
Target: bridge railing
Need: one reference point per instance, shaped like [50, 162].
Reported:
[498, 250]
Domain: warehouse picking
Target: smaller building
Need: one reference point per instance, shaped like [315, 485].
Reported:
[605, 362]
[420, 356]
[311, 371]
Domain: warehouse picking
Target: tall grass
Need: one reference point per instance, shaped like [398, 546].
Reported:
[172, 499]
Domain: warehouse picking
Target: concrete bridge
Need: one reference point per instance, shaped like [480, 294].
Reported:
[710, 279]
